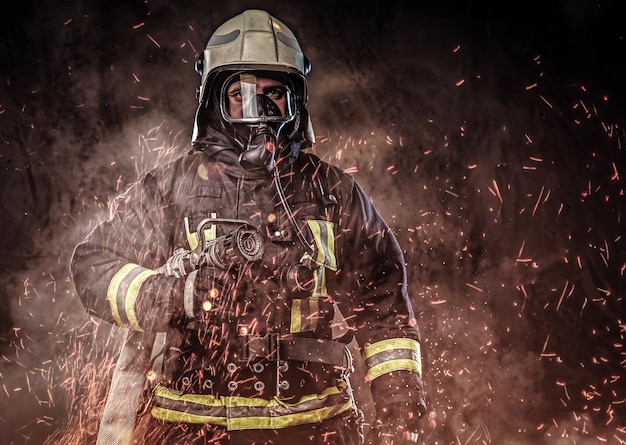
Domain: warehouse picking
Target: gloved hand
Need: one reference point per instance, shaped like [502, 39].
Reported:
[207, 292]
[180, 264]
[397, 424]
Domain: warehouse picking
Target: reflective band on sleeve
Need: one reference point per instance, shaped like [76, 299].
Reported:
[391, 344]
[393, 365]
[123, 291]
[112, 291]
[397, 354]
[242, 413]
[324, 235]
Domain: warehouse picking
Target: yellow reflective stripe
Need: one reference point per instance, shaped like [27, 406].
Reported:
[131, 297]
[314, 312]
[391, 344]
[255, 407]
[305, 314]
[296, 316]
[176, 416]
[239, 401]
[244, 423]
[112, 291]
[315, 228]
[389, 347]
[330, 244]
[319, 277]
[126, 302]
[394, 365]
[211, 232]
[192, 237]
[324, 236]
[313, 416]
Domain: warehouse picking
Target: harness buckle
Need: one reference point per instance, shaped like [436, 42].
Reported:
[253, 347]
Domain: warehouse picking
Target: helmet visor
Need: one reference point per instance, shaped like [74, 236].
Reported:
[257, 97]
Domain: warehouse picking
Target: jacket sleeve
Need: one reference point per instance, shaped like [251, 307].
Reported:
[373, 297]
[113, 268]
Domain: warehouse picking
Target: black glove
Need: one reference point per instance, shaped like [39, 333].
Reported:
[397, 424]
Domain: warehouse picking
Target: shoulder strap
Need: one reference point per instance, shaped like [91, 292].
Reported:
[315, 168]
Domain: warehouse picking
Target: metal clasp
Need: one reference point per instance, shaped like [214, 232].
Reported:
[254, 347]
[348, 365]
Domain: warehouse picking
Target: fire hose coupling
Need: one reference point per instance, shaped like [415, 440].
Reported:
[297, 277]
[242, 245]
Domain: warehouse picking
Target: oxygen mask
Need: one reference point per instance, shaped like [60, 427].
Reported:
[258, 108]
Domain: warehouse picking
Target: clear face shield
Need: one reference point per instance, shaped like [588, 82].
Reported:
[254, 98]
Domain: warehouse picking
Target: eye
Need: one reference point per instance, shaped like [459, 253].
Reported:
[275, 92]
[235, 93]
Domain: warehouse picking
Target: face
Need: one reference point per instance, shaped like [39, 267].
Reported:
[272, 88]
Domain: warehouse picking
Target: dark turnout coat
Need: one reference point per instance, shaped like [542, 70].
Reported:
[245, 348]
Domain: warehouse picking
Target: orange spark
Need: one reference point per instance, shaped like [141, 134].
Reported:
[497, 190]
[538, 201]
[474, 287]
[153, 41]
[546, 101]
[615, 173]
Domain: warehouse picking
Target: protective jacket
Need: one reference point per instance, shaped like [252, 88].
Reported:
[246, 349]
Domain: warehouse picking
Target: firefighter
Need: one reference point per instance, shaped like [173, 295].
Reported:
[230, 268]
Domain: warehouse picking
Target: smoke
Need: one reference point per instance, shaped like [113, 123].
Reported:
[57, 361]
[492, 156]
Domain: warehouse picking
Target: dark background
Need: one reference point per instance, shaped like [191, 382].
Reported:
[490, 136]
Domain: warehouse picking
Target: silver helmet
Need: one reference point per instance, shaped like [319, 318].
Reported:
[242, 53]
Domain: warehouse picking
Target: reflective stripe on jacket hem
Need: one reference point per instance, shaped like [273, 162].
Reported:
[241, 413]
